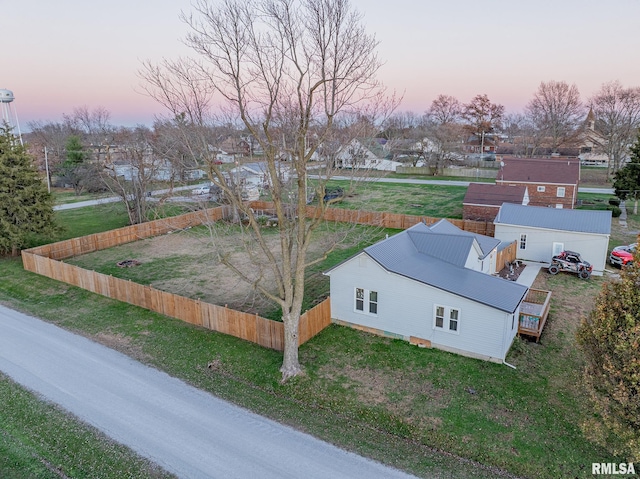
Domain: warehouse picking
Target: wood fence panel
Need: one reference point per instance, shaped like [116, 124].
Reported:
[314, 321]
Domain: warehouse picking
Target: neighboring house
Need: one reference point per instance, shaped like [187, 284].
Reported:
[544, 232]
[235, 146]
[590, 142]
[366, 155]
[256, 174]
[430, 285]
[483, 200]
[550, 181]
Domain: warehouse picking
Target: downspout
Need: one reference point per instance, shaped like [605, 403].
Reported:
[503, 341]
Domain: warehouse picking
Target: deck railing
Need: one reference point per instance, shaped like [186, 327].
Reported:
[534, 312]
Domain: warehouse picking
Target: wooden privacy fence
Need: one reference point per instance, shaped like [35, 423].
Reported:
[45, 260]
[506, 254]
[381, 218]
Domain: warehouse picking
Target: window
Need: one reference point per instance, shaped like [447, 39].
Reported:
[359, 299]
[541, 189]
[439, 316]
[560, 192]
[373, 302]
[370, 297]
[523, 241]
[446, 319]
[453, 320]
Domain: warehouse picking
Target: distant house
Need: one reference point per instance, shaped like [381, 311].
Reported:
[543, 232]
[550, 181]
[366, 154]
[483, 200]
[430, 285]
[590, 142]
[235, 146]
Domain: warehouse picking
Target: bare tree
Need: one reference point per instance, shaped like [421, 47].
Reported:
[288, 69]
[522, 138]
[482, 117]
[556, 110]
[445, 109]
[617, 120]
[130, 171]
[443, 133]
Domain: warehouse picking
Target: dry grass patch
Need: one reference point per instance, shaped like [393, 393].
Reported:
[192, 262]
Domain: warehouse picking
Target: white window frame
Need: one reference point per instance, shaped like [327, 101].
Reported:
[541, 189]
[370, 299]
[561, 191]
[522, 244]
[447, 318]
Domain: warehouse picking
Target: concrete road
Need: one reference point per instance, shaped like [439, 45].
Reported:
[186, 431]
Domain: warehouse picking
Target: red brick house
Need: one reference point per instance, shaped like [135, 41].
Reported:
[550, 181]
[483, 200]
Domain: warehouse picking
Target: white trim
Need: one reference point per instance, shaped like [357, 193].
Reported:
[446, 319]
[366, 301]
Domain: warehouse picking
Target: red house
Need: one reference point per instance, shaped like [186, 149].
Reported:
[550, 181]
[483, 200]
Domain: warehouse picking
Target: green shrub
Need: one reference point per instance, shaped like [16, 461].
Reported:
[615, 211]
[614, 201]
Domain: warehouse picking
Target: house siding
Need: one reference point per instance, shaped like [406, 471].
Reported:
[539, 245]
[406, 308]
[479, 212]
[548, 197]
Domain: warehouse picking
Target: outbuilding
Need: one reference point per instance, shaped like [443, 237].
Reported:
[544, 232]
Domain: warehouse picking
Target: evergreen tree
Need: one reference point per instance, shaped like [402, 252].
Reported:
[610, 340]
[627, 179]
[26, 207]
[75, 171]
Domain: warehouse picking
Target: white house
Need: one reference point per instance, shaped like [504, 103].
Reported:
[430, 286]
[365, 155]
[543, 232]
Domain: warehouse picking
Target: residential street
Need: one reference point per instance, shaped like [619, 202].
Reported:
[186, 431]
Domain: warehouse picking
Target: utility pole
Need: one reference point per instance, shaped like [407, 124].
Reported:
[46, 166]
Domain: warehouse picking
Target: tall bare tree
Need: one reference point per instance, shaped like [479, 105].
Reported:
[130, 171]
[445, 109]
[443, 132]
[617, 113]
[287, 69]
[556, 110]
[482, 117]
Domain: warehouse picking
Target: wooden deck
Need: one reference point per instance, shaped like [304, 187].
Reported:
[533, 313]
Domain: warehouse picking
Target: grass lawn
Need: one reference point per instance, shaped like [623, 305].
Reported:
[427, 200]
[39, 440]
[423, 410]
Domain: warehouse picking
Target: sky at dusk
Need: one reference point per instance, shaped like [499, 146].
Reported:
[70, 53]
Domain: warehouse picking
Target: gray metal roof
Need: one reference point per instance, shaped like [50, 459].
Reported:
[407, 254]
[583, 221]
[487, 243]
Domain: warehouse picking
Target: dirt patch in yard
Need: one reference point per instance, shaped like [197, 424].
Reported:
[199, 263]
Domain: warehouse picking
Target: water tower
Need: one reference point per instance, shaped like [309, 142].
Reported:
[9, 115]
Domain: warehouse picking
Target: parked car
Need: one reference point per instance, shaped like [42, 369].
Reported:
[202, 190]
[571, 262]
[333, 194]
[622, 255]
